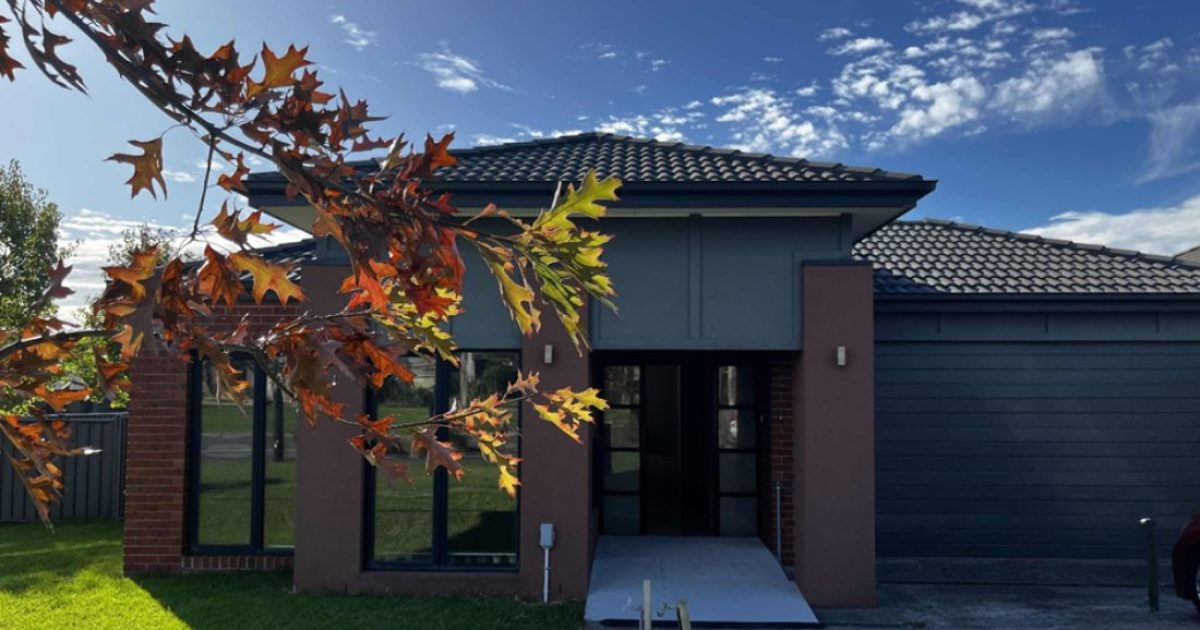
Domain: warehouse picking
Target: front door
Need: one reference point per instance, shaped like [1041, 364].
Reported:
[679, 446]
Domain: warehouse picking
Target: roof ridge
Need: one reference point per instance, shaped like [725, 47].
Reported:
[1093, 248]
[685, 147]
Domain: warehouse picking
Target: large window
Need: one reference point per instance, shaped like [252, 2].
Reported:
[437, 522]
[242, 465]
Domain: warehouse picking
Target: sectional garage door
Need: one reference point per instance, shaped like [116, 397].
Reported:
[1034, 449]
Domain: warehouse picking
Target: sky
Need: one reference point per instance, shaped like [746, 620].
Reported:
[1078, 119]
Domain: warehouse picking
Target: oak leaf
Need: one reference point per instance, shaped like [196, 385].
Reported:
[267, 276]
[278, 70]
[147, 167]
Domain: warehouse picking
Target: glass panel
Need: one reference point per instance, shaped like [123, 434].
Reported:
[622, 515]
[738, 472]
[621, 470]
[736, 428]
[735, 386]
[621, 427]
[739, 516]
[279, 466]
[404, 512]
[622, 384]
[482, 520]
[226, 456]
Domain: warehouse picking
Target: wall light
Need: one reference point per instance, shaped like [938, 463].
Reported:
[841, 356]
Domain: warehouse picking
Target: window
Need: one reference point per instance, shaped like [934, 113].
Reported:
[242, 465]
[737, 459]
[436, 522]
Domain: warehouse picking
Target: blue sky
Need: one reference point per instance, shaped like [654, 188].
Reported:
[1075, 118]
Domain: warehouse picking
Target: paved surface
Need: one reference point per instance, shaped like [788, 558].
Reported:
[722, 579]
[974, 607]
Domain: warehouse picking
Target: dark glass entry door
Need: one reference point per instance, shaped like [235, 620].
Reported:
[679, 447]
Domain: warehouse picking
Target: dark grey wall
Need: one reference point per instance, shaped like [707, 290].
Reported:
[710, 283]
[687, 283]
[1035, 434]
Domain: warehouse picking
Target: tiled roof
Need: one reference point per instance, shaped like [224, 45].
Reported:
[932, 257]
[942, 257]
[568, 158]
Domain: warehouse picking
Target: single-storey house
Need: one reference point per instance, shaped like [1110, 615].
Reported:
[791, 365]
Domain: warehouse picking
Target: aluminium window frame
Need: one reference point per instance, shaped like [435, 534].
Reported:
[195, 407]
[439, 550]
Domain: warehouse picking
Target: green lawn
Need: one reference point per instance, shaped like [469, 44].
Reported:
[72, 579]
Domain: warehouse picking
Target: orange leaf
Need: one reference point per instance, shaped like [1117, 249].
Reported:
[59, 399]
[140, 268]
[217, 280]
[278, 70]
[267, 276]
[234, 182]
[237, 230]
[147, 167]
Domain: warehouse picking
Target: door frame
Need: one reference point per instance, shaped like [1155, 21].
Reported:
[710, 360]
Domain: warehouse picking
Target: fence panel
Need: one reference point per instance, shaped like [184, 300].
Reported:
[95, 484]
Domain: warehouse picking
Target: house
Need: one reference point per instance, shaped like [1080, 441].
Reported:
[896, 388]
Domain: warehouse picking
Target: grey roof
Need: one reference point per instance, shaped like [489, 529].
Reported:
[568, 158]
[942, 257]
[932, 257]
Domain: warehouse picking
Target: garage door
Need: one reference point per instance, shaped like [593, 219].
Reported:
[1034, 449]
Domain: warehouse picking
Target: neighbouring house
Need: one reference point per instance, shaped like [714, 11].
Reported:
[917, 388]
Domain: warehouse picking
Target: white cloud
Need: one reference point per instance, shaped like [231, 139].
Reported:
[773, 59]
[1173, 148]
[859, 45]
[655, 64]
[1065, 85]
[834, 33]
[670, 124]
[353, 35]
[763, 122]
[939, 107]
[607, 55]
[1167, 231]
[94, 232]
[456, 73]
[808, 90]
[1047, 34]
[181, 177]
[980, 12]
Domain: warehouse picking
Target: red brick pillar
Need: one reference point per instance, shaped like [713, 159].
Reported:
[155, 464]
[834, 434]
[555, 474]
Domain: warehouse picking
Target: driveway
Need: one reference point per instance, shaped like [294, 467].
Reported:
[937, 606]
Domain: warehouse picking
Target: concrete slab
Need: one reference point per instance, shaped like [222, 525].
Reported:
[727, 582]
[1008, 607]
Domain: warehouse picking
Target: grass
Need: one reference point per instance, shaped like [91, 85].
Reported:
[72, 579]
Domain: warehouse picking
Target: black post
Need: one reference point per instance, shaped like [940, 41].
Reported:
[1147, 527]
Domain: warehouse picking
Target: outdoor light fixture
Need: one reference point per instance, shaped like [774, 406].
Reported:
[841, 356]
[548, 354]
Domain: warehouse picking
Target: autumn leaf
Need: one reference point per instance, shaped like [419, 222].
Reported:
[438, 454]
[267, 276]
[141, 268]
[217, 279]
[234, 181]
[58, 399]
[230, 227]
[147, 167]
[7, 63]
[509, 482]
[278, 70]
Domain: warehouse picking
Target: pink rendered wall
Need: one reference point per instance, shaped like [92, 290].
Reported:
[834, 434]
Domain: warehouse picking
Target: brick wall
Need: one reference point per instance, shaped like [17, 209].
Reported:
[779, 454]
[156, 459]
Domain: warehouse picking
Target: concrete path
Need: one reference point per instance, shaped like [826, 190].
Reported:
[732, 581]
[979, 607]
